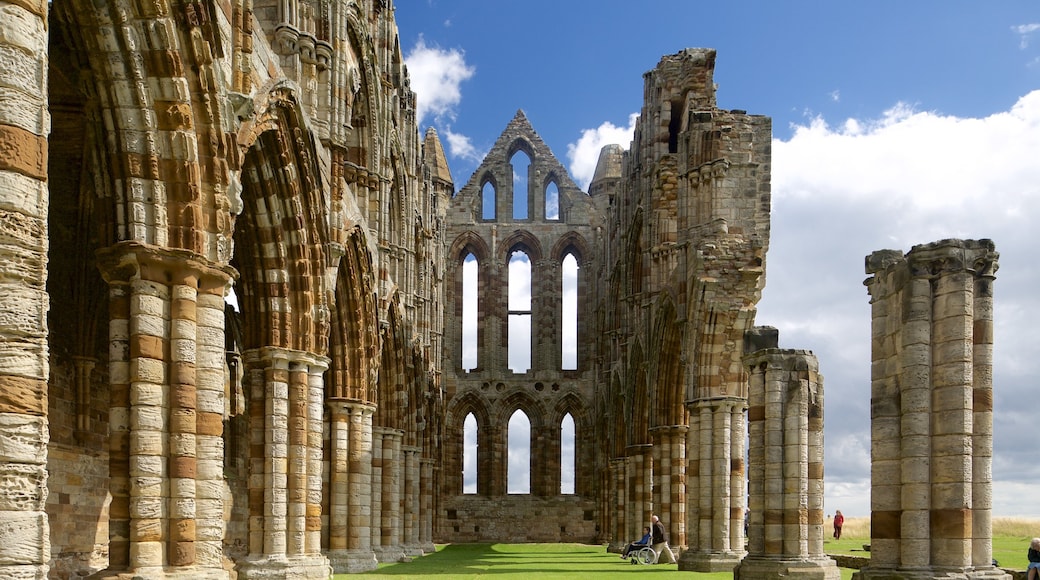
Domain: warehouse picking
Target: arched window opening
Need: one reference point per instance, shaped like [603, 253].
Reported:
[469, 454]
[520, 163]
[487, 201]
[470, 282]
[567, 463]
[569, 332]
[519, 443]
[519, 312]
[552, 201]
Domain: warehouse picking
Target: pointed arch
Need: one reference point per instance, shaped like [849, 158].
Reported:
[639, 408]
[354, 335]
[469, 403]
[669, 390]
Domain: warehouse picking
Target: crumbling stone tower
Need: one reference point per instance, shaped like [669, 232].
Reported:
[687, 232]
[785, 463]
[932, 411]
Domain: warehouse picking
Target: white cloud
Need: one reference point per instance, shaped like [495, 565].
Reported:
[437, 75]
[1024, 31]
[584, 154]
[461, 147]
[911, 177]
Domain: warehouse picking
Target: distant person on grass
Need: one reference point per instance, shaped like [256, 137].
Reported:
[660, 540]
[642, 543]
[839, 521]
[1033, 570]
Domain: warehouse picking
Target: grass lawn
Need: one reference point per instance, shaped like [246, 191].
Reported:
[526, 561]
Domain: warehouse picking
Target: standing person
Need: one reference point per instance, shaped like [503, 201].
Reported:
[1033, 570]
[839, 521]
[660, 540]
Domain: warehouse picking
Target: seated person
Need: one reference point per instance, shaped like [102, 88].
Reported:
[642, 543]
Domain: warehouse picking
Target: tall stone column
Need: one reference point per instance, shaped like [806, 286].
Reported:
[785, 416]
[24, 125]
[931, 416]
[339, 480]
[411, 500]
[715, 485]
[390, 522]
[427, 504]
[619, 505]
[358, 555]
[376, 498]
[167, 408]
[669, 489]
[286, 401]
[638, 506]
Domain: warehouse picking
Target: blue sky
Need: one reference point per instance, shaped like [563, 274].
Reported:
[895, 123]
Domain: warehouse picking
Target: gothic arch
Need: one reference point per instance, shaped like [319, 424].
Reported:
[281, 235]
[669, 390]
[354, 326]
[522, 144]
[458, 409]
[639, 408]
[520, 240]
[571, 243]
[392, 397]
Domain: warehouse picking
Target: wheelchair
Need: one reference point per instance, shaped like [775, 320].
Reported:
[644, 555]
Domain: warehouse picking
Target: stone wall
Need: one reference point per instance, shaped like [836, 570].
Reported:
[518, 519]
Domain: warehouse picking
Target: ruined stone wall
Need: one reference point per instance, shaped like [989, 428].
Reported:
[688, 228]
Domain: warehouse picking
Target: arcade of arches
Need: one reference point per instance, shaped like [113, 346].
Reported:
[252, 330]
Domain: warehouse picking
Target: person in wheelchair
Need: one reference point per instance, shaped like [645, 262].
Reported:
[634, 546]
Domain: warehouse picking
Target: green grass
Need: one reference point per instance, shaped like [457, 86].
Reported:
[526, 561]
[566, 561]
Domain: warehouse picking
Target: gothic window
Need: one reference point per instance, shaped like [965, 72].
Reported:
[567, 455]
[487, 199]
[552, 201]
[519, 312]
[520, 163]
[470, 281]
[569, 308]
[469, 454]
[519, 443]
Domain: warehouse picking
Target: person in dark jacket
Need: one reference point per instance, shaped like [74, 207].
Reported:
[660, 540]
[1033, 570]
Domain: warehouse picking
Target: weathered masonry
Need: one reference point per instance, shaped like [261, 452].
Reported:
[250, 329]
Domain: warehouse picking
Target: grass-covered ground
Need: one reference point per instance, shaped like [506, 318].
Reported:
[565, 561]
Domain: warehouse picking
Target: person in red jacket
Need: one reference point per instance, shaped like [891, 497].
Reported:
[839, 521]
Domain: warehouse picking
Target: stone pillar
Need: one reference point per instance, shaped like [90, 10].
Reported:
[339, 478]
[375, 530]
[931, 410]
[358, 556]
[166, 445]
[619, 507]
[715, 485]
[285, 497]
[411, 500]
[785, 416]
[25, 546]
[427, 505]
[390, 522]
[669, 489]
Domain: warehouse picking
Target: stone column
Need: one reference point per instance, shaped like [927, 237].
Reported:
[619, 507]
[390, 522]
[715, 491]
[669, 489]
[339, 479]
[931, 416]
[358, 556]
[638, 506]
[427, 505]
[167, 409]
[25, 547]
[785, 415]
[376, 498]
[287, 399]
[411, 500]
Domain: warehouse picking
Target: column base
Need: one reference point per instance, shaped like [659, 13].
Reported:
[391, 554]
[282, 567]
[932, 572]
[766, 568]
[352, 561]
[158, 573]
[429, 547]
[691, 561]
[413, 550]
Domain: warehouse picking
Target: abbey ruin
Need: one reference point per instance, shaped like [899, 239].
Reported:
[240, 338]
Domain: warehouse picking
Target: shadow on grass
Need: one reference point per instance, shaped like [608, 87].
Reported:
[520, 561]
